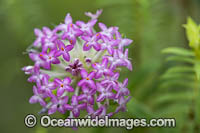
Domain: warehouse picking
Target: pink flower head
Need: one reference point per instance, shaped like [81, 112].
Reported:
[76, 68]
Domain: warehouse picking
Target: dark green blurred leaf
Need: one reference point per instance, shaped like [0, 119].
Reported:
[178, 51]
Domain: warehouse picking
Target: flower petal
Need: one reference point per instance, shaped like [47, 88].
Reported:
[60, 91]
[52, 110]
[67, 81]
[84, 73]
[66, 56]
[68, 107]
[68, 19]
[102, 26]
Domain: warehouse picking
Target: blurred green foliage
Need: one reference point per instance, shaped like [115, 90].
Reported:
[159, 88]
[180, 83]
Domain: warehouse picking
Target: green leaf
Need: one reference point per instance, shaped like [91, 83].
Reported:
[174, 97]
[179, 69]
[178, 51]
[178, 76]
[181, 59]
[169, 84]
[193, 34]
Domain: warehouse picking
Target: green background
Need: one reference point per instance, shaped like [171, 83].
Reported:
[152, 24]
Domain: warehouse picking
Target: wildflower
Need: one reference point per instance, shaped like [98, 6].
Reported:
[94, 16]
[107, 32]
[63, 50]
[101, 111]
[122, 90]
[37, 97]
[63, 85]
[102, 69]
[46, 86]
[69, 30]
[36, 76]
[87, 27]
[39, 34]
[58, 104]
[38, 61]
[49, 58]
[76, 69]
[109, 44]
[75, 107]
[111, 80]
[28, 69]
[119, 59]
[88, 95]
[122, 41]
[105, 92]
[45, 38]
[91, 41]
[87, 79]
[48, 39]
[122, 104]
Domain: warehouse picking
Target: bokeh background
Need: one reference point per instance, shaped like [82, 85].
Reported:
[152, 24]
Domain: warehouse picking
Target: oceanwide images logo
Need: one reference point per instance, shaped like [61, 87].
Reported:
[128, 123]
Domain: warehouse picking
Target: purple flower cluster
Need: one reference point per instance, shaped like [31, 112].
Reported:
[76, 68]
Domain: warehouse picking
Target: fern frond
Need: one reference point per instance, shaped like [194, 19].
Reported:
[183, 73]
[178, 51]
